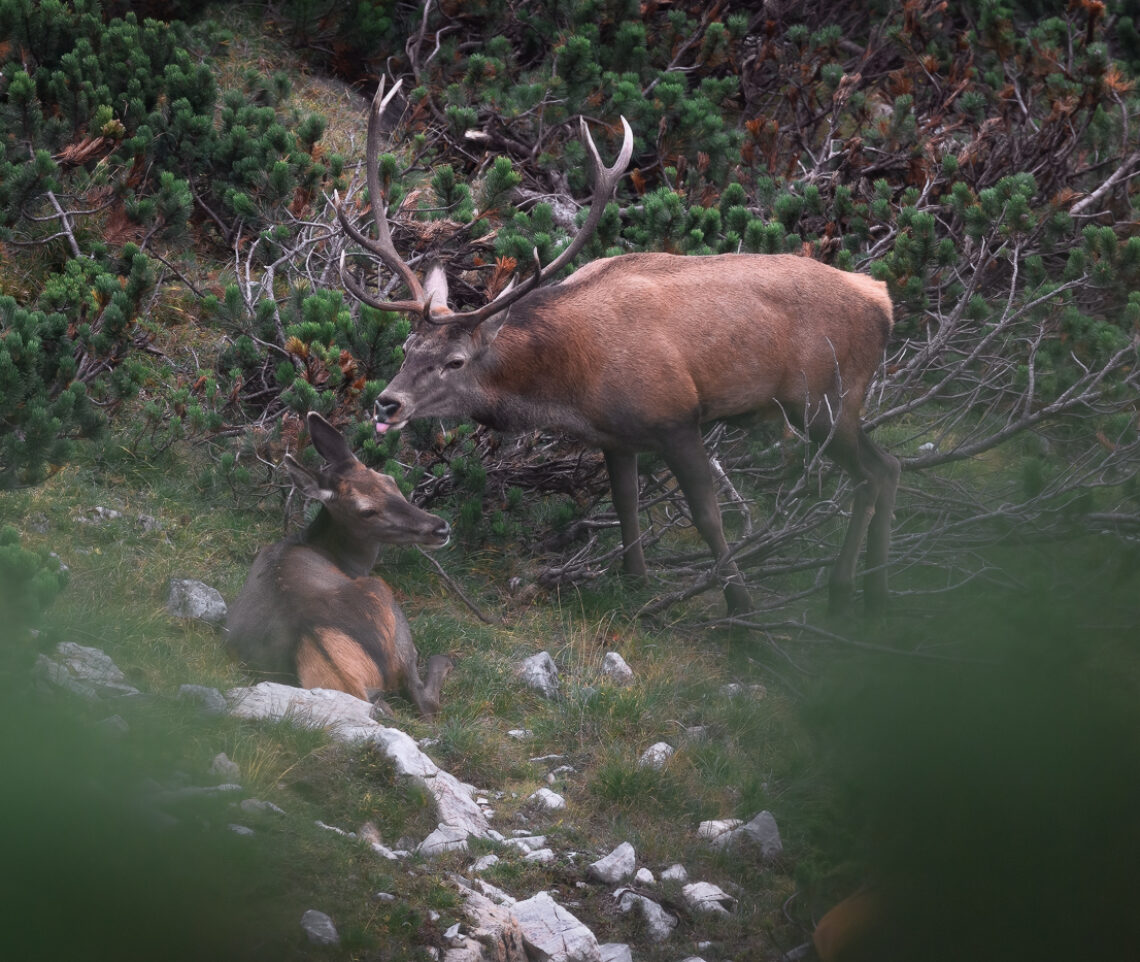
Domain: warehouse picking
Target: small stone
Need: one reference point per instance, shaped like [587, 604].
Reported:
[706, 897]
[656, 756]
[210, 699]
[224, 768]
[659, 924]
[675, 873]
[256, 805]
[240, 829]
[386, 897]
[615, 668]
[193, 599]
[84, 670]
[714, 828]
[319, 928]
[761, 831]
[527, 842]
[615, 867]
[484, 862]
[551, 801]
[446, 838]
[520, 734]
[615, 952]
[148, 523]
[644, 877]
[542, 855]
[541, 673]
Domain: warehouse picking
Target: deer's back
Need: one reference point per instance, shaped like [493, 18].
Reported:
[647, 338]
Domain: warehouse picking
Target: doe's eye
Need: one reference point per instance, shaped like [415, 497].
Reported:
[454, 364]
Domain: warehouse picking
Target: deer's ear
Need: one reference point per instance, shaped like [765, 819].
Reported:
[328, 441]
[486, 332]
[307, 483]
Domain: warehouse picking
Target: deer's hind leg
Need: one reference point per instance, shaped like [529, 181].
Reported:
[875, 474]
[887, 470]
[329, 658]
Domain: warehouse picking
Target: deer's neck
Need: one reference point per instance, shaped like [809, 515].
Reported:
[353, 555]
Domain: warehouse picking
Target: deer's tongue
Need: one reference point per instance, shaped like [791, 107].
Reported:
[382, 426]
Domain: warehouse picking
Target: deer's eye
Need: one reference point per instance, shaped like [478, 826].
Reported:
[453, 364]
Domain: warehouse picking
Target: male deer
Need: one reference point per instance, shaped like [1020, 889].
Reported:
[633, 353]
[311, 611]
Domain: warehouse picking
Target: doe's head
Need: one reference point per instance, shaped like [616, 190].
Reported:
[368, 504]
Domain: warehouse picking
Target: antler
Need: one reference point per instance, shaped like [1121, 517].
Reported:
[605, 180]
[382, 247]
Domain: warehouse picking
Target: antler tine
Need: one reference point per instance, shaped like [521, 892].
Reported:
[382, 246]
[605, 180]
[362, 295]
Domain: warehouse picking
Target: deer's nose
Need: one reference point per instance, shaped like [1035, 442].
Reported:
[386, 408]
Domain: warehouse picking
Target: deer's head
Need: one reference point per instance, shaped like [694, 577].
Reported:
[368, 506]
[439, 375]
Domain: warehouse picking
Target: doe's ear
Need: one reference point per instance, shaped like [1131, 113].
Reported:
[328, 441]
[307, 482]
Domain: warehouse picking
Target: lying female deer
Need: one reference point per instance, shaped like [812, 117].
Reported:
[311, 611]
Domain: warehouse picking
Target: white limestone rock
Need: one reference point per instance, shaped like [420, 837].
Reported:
[193, 599]
[760, 831]
[615, 867]
[319, 928]
[223, 767]
[527, 843]
[209, 699]
[717, 827]
[552, 933]
[541, 673]
[675, 873]
[85, 671]
[446, 838]
[542, 855]
[706, 897]
[656, 756]
[551, 801]
[615, 668]
[349, 719]
[659, 924]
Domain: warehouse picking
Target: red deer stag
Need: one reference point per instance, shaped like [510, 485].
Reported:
[310, 610]
[633, 353]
